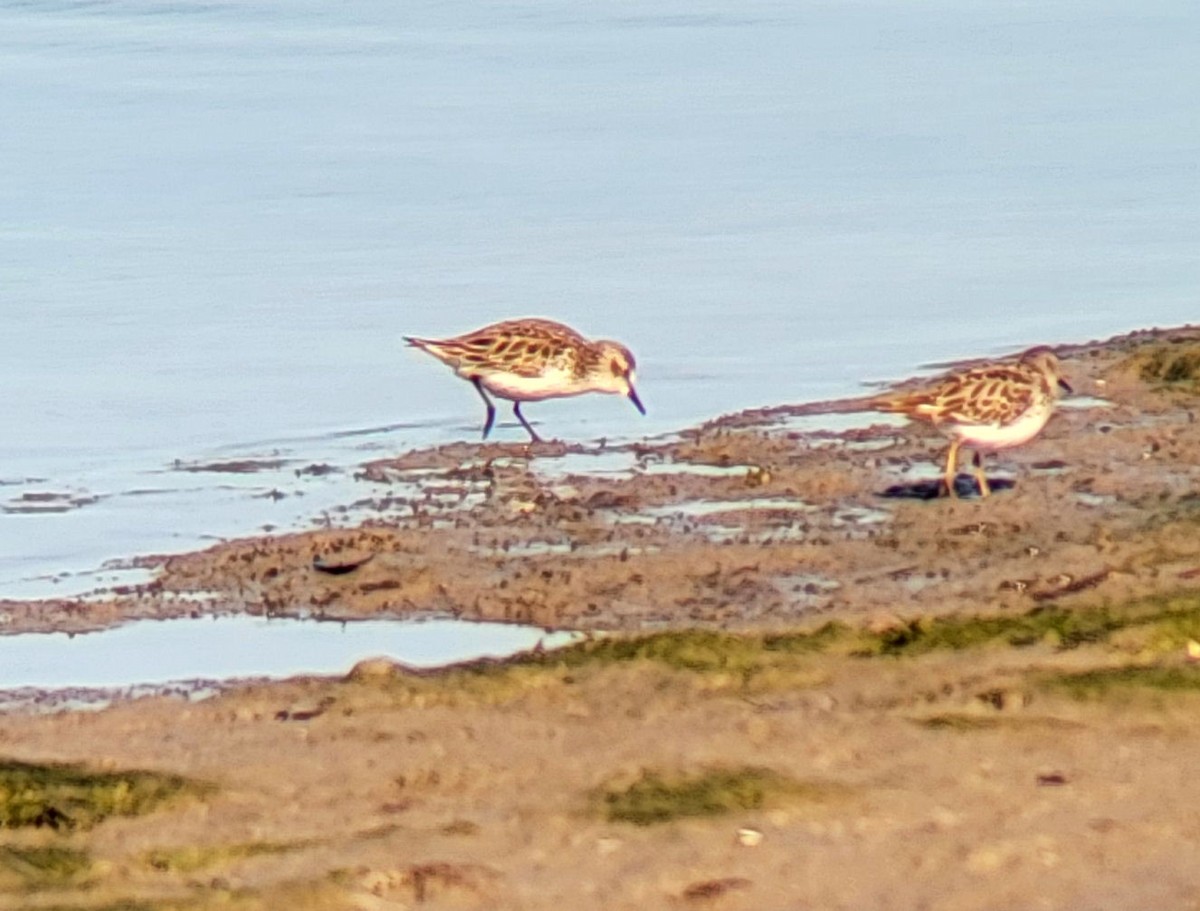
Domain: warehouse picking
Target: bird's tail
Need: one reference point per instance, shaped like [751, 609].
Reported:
[428, 345]
[910, 402]
[445, 350]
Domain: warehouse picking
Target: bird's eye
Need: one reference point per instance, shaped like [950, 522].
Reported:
[615, 366]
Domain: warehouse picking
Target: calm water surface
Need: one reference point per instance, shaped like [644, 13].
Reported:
[154, 652]
[217, 219]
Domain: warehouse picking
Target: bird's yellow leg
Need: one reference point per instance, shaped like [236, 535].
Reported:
[985, 488]
[951, 467]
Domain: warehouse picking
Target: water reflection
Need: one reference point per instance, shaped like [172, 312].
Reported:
[221, 648]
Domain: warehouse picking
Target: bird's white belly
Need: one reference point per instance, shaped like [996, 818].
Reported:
[547, 385]
[990, 437]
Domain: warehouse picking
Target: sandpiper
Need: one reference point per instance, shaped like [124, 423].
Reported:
[987, 407]
[527, 360]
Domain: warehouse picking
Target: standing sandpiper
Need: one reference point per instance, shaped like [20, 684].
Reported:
[527, 360]
[989, 407]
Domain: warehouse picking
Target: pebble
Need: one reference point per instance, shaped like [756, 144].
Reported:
[374, 669]
[749, 838]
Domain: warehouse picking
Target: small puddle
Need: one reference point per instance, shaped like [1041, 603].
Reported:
[104, 582]
[1085, 401]
[605, 463]
[40, 502]
[694, 509]
[699, 469]
[225, 648]
[750, 521]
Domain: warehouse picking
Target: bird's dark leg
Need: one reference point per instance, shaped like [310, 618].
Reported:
[525, 423]
[491, 409]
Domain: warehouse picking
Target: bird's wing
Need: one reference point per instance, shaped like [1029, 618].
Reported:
[523, 347]
[993, 394]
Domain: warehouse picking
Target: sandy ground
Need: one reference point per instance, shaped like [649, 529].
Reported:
[961, 776]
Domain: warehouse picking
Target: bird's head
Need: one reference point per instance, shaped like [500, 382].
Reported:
[1045, 361]
[614, 371]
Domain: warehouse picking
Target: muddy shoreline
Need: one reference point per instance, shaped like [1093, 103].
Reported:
[764, 519]
[821, 688]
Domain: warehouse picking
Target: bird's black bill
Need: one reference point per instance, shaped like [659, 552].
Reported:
[1065, 386]
[637, 403]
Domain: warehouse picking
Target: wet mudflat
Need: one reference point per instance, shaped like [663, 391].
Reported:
[758, 520]
[823, 688]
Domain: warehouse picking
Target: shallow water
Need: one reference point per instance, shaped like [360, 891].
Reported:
[222, 648]
[217, 220]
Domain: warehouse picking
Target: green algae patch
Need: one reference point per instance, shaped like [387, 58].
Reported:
[1062, 627]
[966, 722]
[190, 858]
[691, 650]
[1162, 621]
[720, 661]
[68, 796]
[724, 660]
[1105, 682]
[658, 797]
[1166, 620]
[1170, 365]
[960, 722]
[27, 868]
[1169, 631]
[701, 651]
